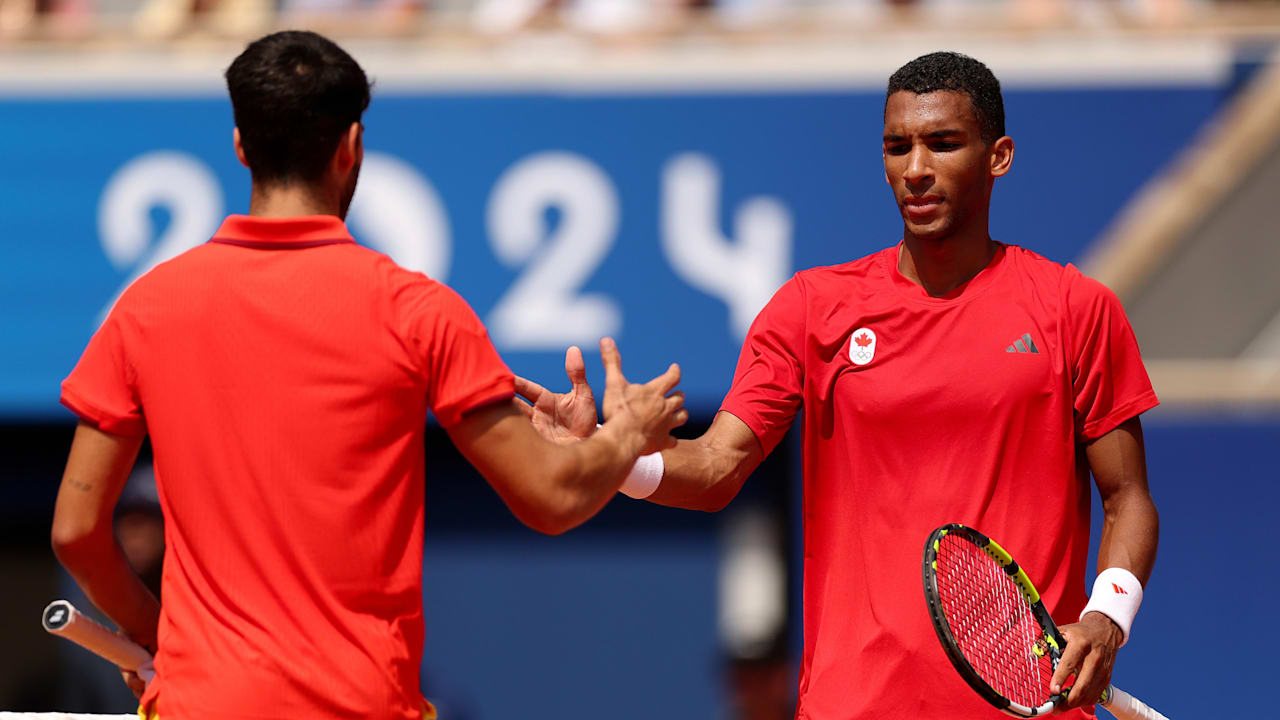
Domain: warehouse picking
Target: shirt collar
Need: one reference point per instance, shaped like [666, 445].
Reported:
[282, 232]
[968, 289]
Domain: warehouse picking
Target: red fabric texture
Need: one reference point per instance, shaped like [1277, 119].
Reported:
[285, 375]
[955, 418]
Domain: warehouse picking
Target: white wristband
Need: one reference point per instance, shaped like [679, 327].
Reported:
[644, 477]
[1116, 594]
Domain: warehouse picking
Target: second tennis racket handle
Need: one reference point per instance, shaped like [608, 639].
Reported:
[62, 619]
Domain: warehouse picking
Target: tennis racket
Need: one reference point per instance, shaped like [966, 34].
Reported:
[62, 619]
[996, 630]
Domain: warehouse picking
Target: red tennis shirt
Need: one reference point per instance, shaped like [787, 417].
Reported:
[285, 374]
[919, 411]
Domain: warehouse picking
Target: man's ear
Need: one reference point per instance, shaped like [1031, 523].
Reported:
[235, 140]
[1001, 156]
[350, 148]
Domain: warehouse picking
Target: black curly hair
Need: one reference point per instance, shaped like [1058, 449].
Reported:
[959, 73]
[294, 94]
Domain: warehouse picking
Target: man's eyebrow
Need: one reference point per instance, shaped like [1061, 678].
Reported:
[935, 135]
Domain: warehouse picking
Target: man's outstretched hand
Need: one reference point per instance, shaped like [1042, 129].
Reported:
[654, 408]
[561, 417]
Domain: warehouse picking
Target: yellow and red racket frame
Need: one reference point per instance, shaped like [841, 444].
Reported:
[1052, 644]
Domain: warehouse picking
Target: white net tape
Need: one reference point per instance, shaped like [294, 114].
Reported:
[62, 716]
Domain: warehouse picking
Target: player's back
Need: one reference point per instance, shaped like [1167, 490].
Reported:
[285, 383]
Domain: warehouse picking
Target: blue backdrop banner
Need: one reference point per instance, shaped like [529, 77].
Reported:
[664, 220]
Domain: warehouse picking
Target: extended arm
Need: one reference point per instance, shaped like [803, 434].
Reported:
[83, 535]
[554, 487]
[701, 474]
[1130, 530]
[706, 473]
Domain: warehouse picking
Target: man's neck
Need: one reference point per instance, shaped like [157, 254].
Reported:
[292, 200]
[940, 266]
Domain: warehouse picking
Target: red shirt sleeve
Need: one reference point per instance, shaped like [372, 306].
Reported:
[102, 388]
[768, 384]
[1109, 382]
[462, 368]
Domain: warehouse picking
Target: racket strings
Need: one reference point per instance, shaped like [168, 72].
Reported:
[992, 623]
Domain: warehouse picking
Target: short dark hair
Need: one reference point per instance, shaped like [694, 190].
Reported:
[959, 73]
[294, 94]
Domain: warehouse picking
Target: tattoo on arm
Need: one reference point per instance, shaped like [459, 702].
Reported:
[80, 485]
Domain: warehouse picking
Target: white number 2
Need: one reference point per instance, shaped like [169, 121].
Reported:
[175, 181]
[543, 309]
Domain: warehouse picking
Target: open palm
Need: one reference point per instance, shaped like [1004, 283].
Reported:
[561, 417]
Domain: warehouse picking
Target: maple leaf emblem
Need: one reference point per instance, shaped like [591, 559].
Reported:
[863, 340]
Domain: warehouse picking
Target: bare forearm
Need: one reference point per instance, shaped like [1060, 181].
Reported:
[1131, 526]
[100, 569]
[706, 473]
[553, 487]
[585, 476]
[83, 537]
[1130, 532]
[549, 487]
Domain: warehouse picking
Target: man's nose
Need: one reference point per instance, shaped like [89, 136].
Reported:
[918, 168]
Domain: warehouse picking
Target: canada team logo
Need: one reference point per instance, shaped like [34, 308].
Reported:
[862, 346]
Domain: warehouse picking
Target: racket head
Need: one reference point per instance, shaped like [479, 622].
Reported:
[991, 621]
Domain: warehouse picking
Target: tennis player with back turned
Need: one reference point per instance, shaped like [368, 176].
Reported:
[285, 374]
[949, 378]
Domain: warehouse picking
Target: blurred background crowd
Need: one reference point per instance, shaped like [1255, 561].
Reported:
[151, 20]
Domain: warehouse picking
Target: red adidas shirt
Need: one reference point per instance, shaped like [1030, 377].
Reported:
[920, 411]
[285, 374]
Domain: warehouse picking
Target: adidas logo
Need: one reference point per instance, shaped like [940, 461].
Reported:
[1019, 347]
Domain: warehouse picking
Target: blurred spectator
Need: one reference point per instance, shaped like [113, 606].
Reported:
[753, 611]
[140, 527]
[164, 19]
[762, 687]
[376, 17]
[62, 19]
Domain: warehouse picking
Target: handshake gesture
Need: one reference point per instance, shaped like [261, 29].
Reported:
[643, 413]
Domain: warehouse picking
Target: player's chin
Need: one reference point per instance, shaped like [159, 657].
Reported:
[934, 229]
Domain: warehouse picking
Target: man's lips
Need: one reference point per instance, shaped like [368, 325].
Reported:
[921, 206]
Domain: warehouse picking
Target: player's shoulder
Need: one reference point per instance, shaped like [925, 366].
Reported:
[167, 279]
[836, 278]
[402, 284]
[1067, 281]
[419, 300]
[1031, 262]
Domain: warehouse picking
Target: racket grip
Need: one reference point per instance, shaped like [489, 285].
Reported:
[62, 619]
[1127, 707]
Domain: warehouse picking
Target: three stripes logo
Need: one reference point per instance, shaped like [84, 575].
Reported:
[1119, 590]
[1023, 345]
